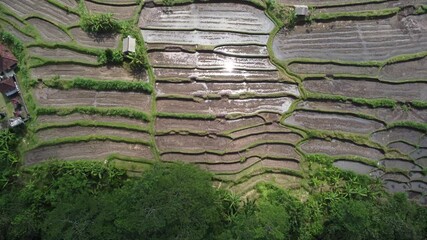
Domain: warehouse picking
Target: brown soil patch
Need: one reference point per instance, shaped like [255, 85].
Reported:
[86, 150]
[100, 41]
[119, 12]
[43, 8]
[76, 131]
[224, 106]
[273, 127]
[339, 148]
[402, 147]
[369, 89]
[73, 98]
[191, 143]
[357, 167]
[69, 3]
[49, 31]
[61, 53]
[70, 71]
[56, 119]
[332, 122]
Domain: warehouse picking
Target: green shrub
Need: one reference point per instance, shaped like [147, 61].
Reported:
[111, 57]
[137, 59]
[99, 23]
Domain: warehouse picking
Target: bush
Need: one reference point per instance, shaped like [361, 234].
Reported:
[99, 23]
[111, 57]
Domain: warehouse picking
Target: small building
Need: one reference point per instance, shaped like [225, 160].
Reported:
[301, 10]
[7, 60]
[8, 86]
[14, 122]
[129, 45]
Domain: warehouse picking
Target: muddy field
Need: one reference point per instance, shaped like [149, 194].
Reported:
[207, 16]
[340, 148]
[93, 150]
[354, 40]
[226, 89]
[44, 8]
[76, 117]
[72, 98]
[10, 28]
[76, 131]
[369, 89]
[388, 115]
[95, 41]
[333, 122]
[49, 31]
[70, 71]
[119, 12]
[225, 106]
[61, 53]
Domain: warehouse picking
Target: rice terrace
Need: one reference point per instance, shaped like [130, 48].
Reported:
[324, 101]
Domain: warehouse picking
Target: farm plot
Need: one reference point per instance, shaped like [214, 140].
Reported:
[119, 11]
[225, 106]
[405, 71]
[61, 53]
[49, 31]
[234, 75]
[226, 89]
[320, 2]
[331, 69]
[243, 51]
[368, 89]
[77, 117]
[358, 167]
[206, 38]
[369, 6]
[18, 34]
[69, 3]
[43, 8]
[333, 122]
[218, 125]
[95, 41]
[70, 71]
[337, 147]
[387, 115]
[207, 16]
[398, 133]
[72, 98]
[354, 40]
[205, 60]
[77, 131]
[92, 150]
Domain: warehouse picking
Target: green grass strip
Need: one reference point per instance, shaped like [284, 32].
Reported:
[356, 15]
[122, 112]
[373, 103]
[100, 85]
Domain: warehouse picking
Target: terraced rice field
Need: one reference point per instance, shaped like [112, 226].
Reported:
[234, 93]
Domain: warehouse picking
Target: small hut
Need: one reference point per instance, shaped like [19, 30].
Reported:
[301, 10]
[129, 45]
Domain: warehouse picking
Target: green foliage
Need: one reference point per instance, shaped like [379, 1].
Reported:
[419, 104]
[137, 59]
[284, 16]
[102, 23]
[99, 85]
[8, 158]
[357, 14]
[111, 57]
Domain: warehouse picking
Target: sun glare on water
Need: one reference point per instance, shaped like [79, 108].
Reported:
[229, 65]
